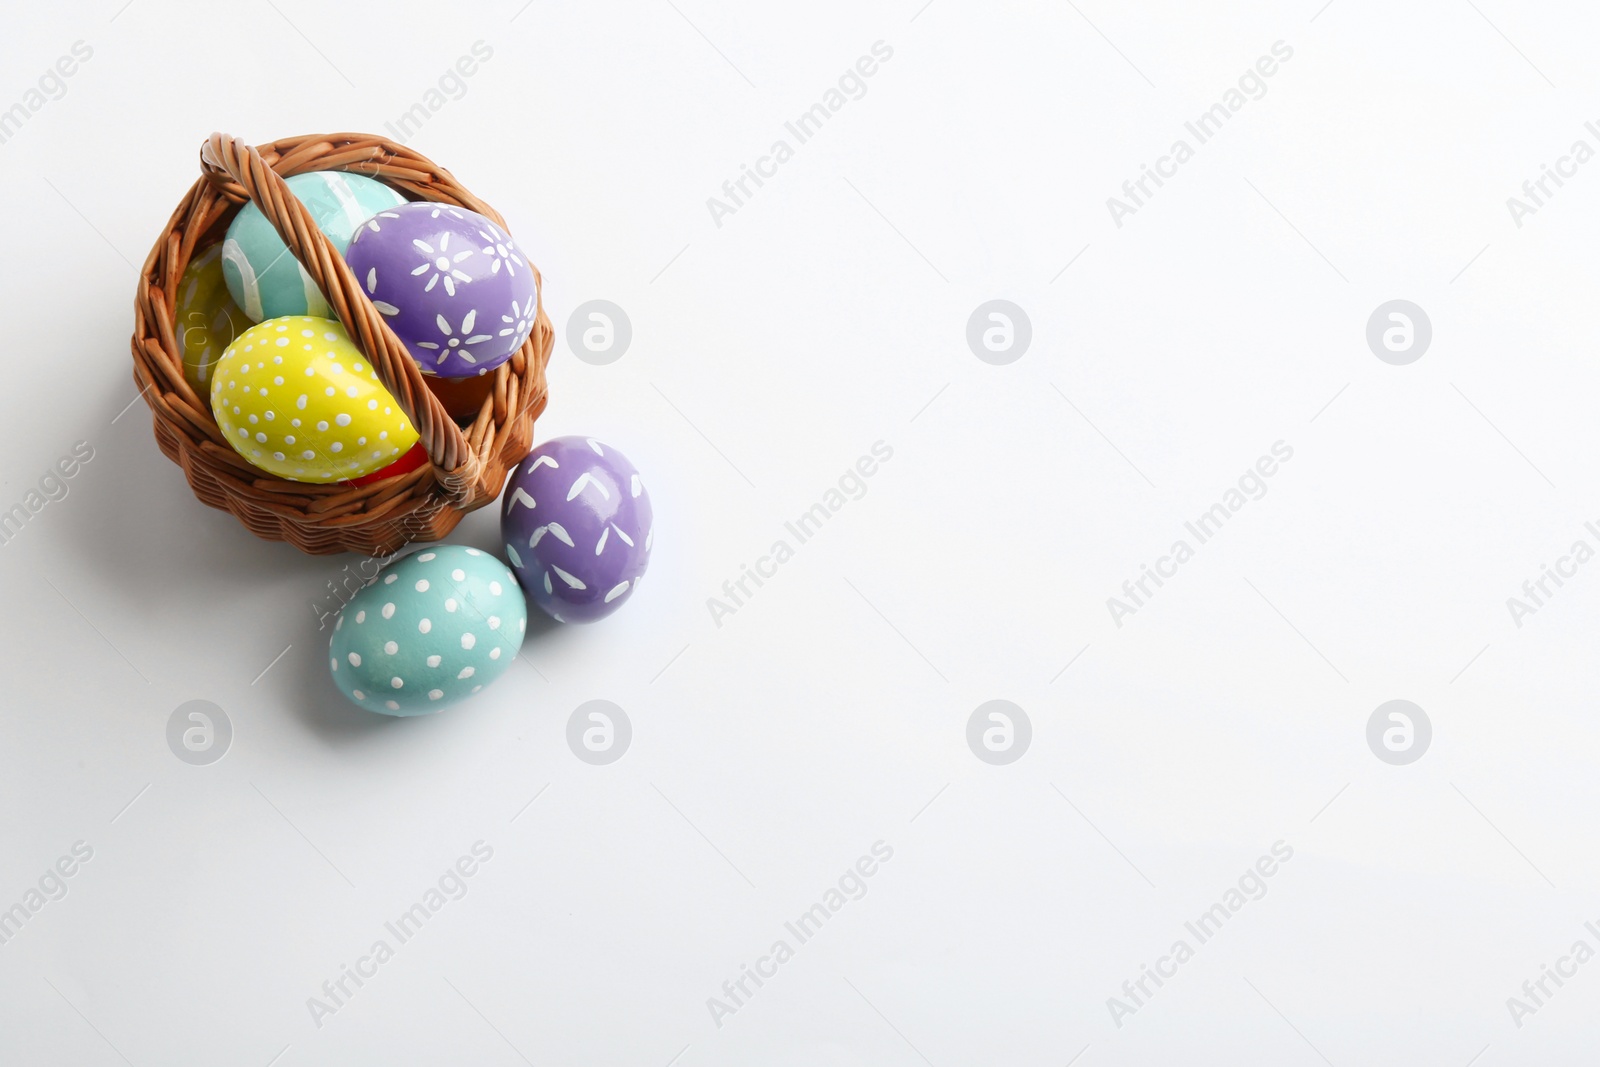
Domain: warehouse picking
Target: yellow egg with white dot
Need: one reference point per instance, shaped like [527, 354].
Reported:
[297, 398]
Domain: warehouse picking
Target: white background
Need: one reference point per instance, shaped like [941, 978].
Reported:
[768, 354]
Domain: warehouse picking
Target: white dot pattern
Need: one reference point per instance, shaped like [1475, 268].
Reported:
[257, 397]
[438, 626]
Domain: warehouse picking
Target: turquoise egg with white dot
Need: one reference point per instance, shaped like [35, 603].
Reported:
[262, 277]
[432, 628]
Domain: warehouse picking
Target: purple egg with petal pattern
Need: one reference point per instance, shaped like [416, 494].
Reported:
[452, 285]
[576, 521]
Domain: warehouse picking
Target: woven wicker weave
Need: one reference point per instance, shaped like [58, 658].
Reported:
[467, 466]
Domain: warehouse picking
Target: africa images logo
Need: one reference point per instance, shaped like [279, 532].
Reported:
[736, 192]
[1251, 485]
[850, 885]
[1203, 128]
[451, 885]
[1251, 886]
[851, 485]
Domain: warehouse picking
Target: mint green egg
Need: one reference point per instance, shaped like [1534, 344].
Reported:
[262, 277]
[433, 628]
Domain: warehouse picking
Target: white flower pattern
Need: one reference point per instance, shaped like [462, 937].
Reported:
[500, 249]
[456, 339]
[442, 264]
[520, 322]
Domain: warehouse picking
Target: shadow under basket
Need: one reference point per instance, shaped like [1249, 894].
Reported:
[467, 464]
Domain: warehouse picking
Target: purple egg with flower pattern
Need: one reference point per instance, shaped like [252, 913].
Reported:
[451, 284]
[577, 522]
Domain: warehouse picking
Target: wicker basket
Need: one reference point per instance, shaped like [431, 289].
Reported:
[468, 466]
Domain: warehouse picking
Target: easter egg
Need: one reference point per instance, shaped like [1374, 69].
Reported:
[451, 284]
[577, 526]
[297, 398]
[265, 280]
[206, 319]
[434, 627]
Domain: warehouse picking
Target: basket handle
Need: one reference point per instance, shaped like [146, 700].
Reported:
[228, 161]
